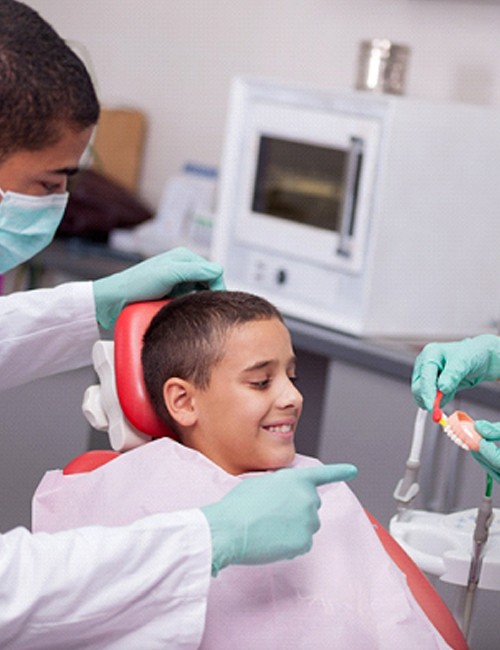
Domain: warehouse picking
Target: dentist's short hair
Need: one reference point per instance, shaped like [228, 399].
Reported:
[44, 86]
[187, 338]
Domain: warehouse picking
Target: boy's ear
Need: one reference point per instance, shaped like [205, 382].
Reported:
[178, 397]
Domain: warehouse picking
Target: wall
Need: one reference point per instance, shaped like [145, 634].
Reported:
[175, 58]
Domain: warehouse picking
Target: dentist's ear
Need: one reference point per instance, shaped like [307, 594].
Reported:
[179, 400]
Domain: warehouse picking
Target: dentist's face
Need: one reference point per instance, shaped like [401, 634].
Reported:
[248, 415]
[45, 171]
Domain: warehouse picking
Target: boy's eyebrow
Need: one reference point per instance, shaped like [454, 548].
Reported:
[258, 365]
[263, 364]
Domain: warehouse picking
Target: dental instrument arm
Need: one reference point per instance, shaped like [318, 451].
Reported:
[408, 487]
[480, 537]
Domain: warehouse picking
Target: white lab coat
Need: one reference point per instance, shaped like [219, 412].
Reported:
[97, 588]
[46, 331]
[92, 588]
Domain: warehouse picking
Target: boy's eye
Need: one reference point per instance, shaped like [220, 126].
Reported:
[294, 379]
[261, 384]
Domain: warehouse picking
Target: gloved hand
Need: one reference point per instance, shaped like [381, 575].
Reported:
[488, 455]
[271, 517]
[175, 272]
[453, 366]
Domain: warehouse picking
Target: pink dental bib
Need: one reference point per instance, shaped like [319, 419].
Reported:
[345, 594]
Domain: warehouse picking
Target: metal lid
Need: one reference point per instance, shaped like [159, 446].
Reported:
[382, 66]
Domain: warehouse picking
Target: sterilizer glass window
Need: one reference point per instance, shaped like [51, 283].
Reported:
[299, 181]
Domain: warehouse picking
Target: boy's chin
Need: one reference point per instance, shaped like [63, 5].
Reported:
[283, 460]
[264, 462]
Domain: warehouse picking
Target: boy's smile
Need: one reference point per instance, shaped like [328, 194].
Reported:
[246, 418]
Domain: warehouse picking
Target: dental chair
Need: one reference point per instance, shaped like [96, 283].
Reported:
[120, 406]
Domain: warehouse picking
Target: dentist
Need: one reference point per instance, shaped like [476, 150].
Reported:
[143, 585]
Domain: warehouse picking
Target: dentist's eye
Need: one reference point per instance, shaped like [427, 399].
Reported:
[51, 188]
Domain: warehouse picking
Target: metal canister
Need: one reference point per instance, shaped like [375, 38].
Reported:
[382, 66]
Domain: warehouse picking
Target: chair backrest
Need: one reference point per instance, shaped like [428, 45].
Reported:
[120, 404]
[132, 394]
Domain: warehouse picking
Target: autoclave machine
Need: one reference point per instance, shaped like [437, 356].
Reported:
[375, 215]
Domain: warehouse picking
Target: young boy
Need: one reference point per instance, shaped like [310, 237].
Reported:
[220, 369]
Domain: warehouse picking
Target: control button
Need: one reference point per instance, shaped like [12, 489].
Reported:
[281, 276]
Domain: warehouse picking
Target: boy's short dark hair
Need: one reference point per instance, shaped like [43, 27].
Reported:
[44, 86]
[187, 337]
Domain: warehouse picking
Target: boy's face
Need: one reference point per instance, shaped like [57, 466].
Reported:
[248, 414]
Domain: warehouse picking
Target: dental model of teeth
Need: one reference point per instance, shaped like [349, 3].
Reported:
[458, 426]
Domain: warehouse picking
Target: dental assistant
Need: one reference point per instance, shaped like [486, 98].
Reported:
[146, 584]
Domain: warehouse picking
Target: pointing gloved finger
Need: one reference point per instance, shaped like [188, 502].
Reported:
[322, 474]
[271, 517]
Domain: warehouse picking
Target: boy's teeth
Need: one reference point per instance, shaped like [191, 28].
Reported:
[284, 428]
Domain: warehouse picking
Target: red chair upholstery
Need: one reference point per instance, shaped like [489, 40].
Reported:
[129, 330]
[90, 460]
[132, 394]
[425, 594]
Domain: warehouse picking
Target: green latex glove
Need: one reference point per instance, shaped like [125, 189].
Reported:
[453, 366]
[173, 273]
[270, 517]
[488, 455]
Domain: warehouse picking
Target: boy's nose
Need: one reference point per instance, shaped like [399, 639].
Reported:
[290, 396]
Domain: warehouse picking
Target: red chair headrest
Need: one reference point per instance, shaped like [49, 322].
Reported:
[134, 400]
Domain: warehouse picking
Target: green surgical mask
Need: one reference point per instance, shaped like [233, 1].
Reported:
[27, 225]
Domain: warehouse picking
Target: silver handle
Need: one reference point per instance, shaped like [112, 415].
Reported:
[353, 168]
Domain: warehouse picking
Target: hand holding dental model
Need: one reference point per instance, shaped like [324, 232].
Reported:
[458, 426]
[443, 368]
